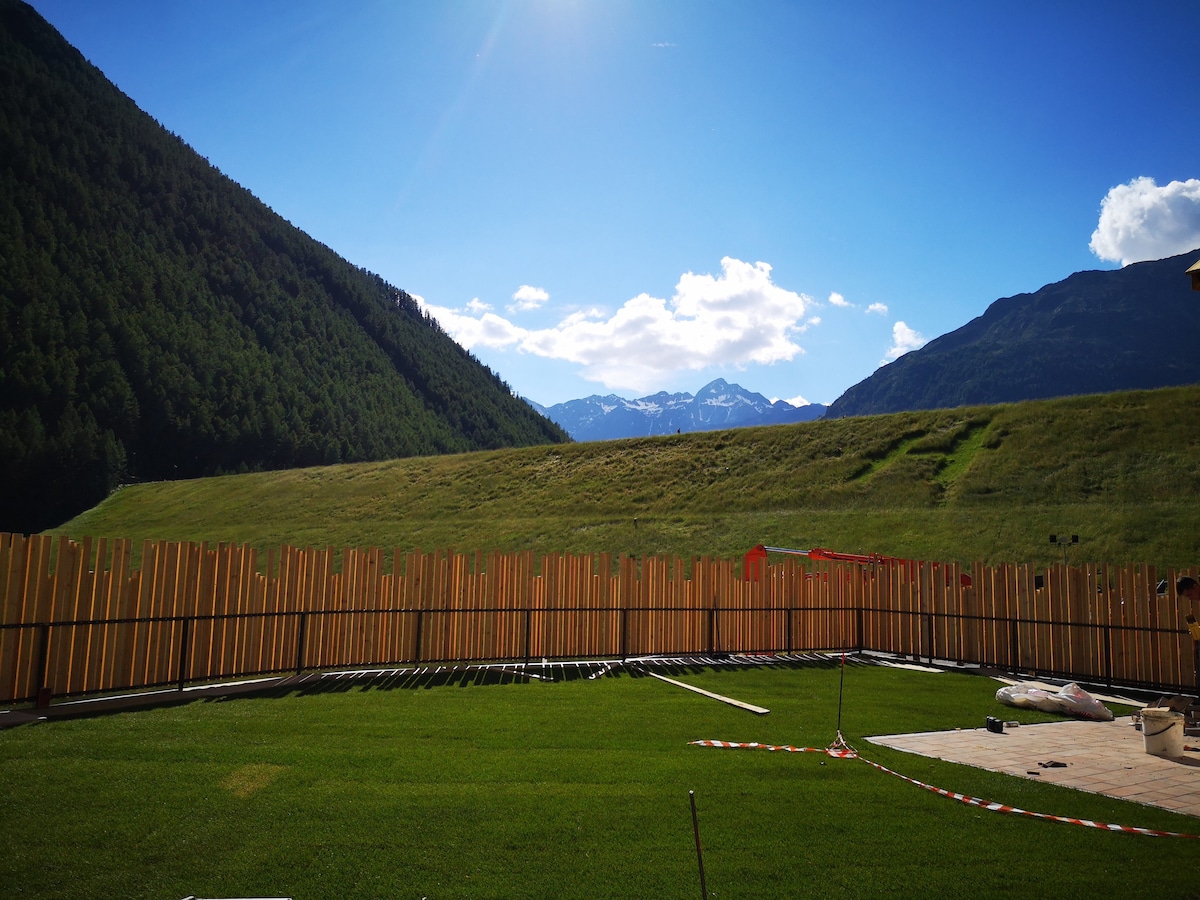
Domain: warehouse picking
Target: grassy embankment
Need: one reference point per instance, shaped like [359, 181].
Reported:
[981, 483]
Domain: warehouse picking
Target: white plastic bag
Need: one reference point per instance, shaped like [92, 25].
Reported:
[1072, 700]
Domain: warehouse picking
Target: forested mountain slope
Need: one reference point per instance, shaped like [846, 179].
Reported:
[157, 321]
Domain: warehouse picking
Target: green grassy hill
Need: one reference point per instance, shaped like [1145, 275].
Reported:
[977, 483]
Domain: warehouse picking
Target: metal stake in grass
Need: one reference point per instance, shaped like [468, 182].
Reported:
[841, 684]
[839, 744]
[699, 853]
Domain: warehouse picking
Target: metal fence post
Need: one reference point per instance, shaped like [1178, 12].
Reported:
[420, 627]
[1014, 647]
[528, 631]
[301, 639]
[43, 664]
[1108, 668]
[185, 638]
[929, 636]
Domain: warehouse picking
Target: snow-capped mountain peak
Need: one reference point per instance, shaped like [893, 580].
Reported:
[717, 405]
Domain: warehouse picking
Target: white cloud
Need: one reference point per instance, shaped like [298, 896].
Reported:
[488, 330]
[661, 44]
[798, 400]
[904, 339]
[1141, 220]
[528, 297]
[880, 308]
[478, 306]
[733, 319]
[836, 299]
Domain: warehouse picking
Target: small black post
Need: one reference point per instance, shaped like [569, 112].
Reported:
[43, 664]
[420, 626]
[1014, 646]
[858, 624]
[715, 631]
[790, 613]
[841, 685]
[929, 636]
[624, 633]
[699, 852]
[300, 640]
[528, 632]
[1108, 653]
[185, 638]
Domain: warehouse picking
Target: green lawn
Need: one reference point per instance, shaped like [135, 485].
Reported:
[577, 788]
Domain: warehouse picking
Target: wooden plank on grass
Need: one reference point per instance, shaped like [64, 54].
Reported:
[757, 710]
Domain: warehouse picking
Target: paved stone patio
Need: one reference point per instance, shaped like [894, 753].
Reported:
[1102, 757]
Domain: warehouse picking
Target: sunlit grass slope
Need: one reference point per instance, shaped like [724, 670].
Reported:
[979, 483]
[566, 789]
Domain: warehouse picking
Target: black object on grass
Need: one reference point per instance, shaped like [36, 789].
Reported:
[699, 853]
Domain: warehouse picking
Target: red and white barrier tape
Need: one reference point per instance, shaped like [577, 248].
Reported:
[785, 748]
[841, 750]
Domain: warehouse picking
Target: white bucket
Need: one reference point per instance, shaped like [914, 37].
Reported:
[1162, 730]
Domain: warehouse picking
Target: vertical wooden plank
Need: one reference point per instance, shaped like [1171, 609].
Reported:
[243, 580]
[997, 610]
[352, 603]
[9, 598]
[39, 606]
[93, 647]
[1161, 650]
[227, 608]
[136, 661]
[79, 610]
[289, 602]
[254, 607]
[126, 631]
[983, 582]
[267, 651]
[1082, 633]
[1106, 614]
[1175, 642]
[1184, 608]
[114, 604]
[62, 584]
[215, 603]
[1142, 611]
[165, 654]
[973, 636]
[319, 600]
[183, 605]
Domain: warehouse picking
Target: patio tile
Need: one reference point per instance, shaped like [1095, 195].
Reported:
[1102, 757]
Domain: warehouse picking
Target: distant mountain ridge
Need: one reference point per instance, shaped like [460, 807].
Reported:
[715, 406]
[1095, 332]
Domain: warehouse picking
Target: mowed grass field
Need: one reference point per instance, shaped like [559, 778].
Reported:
[460, 788]
[990, 484]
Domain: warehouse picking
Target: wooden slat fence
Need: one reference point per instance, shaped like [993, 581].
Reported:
[77, 618]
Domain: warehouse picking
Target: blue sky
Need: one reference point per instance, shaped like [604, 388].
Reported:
[610, 196]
